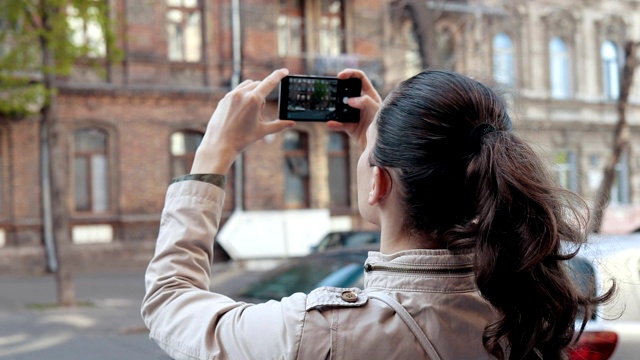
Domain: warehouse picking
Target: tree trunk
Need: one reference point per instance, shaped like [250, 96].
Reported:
[423, 27]
[57, 176]
[620, 140]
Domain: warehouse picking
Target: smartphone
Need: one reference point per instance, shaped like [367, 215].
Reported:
[318, 98]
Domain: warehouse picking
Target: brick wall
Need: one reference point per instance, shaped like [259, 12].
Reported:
[142, 101]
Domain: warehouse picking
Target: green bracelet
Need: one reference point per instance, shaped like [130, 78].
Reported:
[215, 179]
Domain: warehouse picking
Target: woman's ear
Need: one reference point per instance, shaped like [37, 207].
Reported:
[380, 185]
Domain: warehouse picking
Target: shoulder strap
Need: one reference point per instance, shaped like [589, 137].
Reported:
[408, 319]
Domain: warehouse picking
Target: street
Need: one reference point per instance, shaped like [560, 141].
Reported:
[106, 324]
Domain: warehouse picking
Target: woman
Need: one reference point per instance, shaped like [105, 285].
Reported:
[470, 263]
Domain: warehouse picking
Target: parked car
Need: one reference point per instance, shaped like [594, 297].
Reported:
[341, 267]
[614, 332]
[346, 239]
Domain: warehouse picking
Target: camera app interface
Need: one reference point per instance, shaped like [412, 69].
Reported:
[313, 99]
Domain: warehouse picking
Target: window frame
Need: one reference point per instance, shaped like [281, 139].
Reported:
[89, 155]
[502, 55]
[188, 155]
[345, 154]
[290, 12]
[568, 169]
[611, 92]
[446, 44]
[620, 193]
[87, 41]
[332, 39]
[565, 89]
[185, 11]
[303, 152]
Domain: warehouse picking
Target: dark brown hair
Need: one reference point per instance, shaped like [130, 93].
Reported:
[470, 182]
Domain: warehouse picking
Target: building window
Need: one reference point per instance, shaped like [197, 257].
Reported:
[183, 150]
[290, 28]
[503, 60]
[86, 29]
[331, 41]
[566, 170]
[91, 170]
[620, 188]
[296, 170]
[445, 45]
[184, 30]
[610, 70]
[338, 153]
[560, 69]
[409, 41]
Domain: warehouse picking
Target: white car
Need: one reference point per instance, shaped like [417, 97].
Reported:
[615, 332]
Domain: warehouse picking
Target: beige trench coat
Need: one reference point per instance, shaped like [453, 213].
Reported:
[189, 322]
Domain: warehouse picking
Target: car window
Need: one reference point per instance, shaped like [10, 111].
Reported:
[360, 239]
[306, 276]
[583, 275]
[347, 275]
[330, 240]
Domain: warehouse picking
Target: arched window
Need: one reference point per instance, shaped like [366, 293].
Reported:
[503, 60]
[91, 170]
[296, 170]
[445, 45]
[331, 29]
[620, 190]
[290, 31]
[560, 69]
[412, 57]
[183, 150]
[338, 152]
[566, 169]
[184, 30]
[610, 70]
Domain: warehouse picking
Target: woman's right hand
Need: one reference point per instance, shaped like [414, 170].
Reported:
[368, 102]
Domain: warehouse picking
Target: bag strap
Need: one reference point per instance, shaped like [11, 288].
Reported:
[411, 323]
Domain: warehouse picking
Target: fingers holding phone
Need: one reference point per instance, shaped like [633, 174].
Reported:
[368, 102]
[236, 123]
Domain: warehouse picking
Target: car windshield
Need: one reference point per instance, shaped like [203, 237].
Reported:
[583, 275]
[361, 239]
[304, 276]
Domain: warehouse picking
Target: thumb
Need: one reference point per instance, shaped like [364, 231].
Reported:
[277, 126]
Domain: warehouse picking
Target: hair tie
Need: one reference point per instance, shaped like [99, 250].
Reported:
[476, 135]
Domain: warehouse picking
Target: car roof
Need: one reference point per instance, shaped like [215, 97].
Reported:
[616, 257]
[607, 245]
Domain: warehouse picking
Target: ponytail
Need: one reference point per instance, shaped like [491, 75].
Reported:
[521, 220]
[468, 182]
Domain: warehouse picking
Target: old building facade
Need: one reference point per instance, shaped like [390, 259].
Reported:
[133, 125]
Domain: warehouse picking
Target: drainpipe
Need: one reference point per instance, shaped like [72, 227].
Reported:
[235, 80]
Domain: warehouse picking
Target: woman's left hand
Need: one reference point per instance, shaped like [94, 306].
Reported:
[237, 123]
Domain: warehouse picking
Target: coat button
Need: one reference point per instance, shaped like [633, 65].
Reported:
[349, 296]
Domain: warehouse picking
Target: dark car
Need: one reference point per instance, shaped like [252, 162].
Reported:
[615, 334]
[347, 239]
[339, 268]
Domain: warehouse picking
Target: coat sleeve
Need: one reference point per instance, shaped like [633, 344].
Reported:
[187, 320]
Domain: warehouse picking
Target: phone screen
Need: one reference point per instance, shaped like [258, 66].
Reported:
[317, 98]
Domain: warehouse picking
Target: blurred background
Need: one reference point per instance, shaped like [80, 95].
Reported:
[103, 102]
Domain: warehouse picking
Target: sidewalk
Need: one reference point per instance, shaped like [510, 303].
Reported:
[107, 327]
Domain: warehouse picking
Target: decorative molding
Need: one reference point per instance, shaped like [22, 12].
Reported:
[613, 28]
[561, 23]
